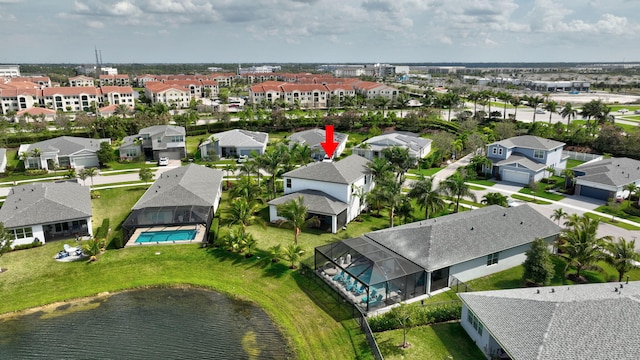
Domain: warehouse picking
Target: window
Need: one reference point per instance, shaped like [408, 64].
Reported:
[177, 138]
[21, 233]
[538, 154]
[494, 151]
[499, 151]
[492, 259]
[289, 183]
[473, 320]
[131, 152]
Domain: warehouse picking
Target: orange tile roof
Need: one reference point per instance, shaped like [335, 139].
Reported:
[117, 89]
[303, 87]
[36, 111]
[68, 90]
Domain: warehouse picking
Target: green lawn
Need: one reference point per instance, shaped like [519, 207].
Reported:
[619, 211]
[104, 207]
[426, 172]
[571, 163]
[529, 199]
[487, 183]
[542, 194]
[614, 222]
[35, 279]
[434, 342]
[116, 165]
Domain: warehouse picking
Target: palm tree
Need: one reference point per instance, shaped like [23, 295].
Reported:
[534, 102]
[558, 215]
[122, 109]
[495, 198]
[390, 191]
[568, 111]
[515, 101]
[480, 163]
[378, 167]
[275, 251]
[82, 175]
[91, 172]
[568, 175]
[550, 170]
[249, 167]
[551, 106]
[579, 244]
[230, 169]
[505, 97]
[632, 188]
[451, 99]
[246, 188]
[621, 255]
[244, 213]
[293, 253]
[456, 187]
[36, 153]
[427, 195]
[294, 213]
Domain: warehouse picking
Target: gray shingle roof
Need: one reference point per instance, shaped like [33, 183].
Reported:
[529, 142]
[240, 138]
[407, 140]
[314, 137]
[345, 171]
[453, 239]
[165, 130]
[574, 322]
[40, 203]
[67, 145]
[524, 161]
[316, 202]
[191, 185]
[612, 171]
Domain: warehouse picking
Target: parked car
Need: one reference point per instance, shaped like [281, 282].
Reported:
[540, 111]
[163, 161]
[243, 158]
[512, 202]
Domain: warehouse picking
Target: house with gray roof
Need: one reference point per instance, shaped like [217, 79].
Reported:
[185, 196]
[606, 178]
[235, 143]
[332, 191]
[457, 247]
[523, 159]
[155, 142]
[418, 147]
[63, 151]
[45, 211]
[314, 137]
[590, 321]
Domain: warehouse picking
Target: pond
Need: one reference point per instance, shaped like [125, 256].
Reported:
[145, 324]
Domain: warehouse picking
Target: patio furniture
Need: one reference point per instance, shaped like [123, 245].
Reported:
[360, 290]
[376, 300]
[352, 286]
[339, 276]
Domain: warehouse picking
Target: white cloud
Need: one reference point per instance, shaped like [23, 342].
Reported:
[95, 24]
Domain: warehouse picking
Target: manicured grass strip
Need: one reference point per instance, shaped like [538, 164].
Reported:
[619, 211]
[434, 342]
[529, 199]
[35, 279]
[472, 187]
[608, 220]
[542, 194]
[488, 183]
[425, 172]
[115, 165]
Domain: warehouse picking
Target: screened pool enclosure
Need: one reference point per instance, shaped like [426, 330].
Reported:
[168, 216]
[367, 274]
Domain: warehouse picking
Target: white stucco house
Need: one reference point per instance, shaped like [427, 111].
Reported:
[234, 143]
[44, 211]
[523, 159]
[64, 151]
[331, 191]
[536, 323]
[605, 179]
[372, 148]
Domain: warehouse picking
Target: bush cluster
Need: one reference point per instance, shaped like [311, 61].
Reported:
[420, 315]
[35, 172]
[27, 246]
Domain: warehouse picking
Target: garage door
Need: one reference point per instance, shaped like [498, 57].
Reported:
[86, 162]
[595, 193]
[515, 176]
[172, 155]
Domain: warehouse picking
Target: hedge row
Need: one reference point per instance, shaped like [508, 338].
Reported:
[103, 230]
[420, 315]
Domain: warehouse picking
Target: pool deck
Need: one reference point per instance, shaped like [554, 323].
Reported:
[200, 235]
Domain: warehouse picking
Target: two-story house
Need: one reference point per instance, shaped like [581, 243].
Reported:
[155, 142]
[332, 191]
[313, 138]
[524, 159]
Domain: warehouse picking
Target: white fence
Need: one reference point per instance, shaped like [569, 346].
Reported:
[581, 156]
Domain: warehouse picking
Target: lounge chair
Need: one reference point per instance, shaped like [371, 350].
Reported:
[376, 300]
[339, 276]
[360, 290]
[352, 286]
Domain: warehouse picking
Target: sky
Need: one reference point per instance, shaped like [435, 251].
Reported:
[319, 31]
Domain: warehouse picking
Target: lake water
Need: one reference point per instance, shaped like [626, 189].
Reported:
[145, 324]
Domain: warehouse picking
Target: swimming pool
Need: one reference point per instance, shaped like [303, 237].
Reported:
[166, 236]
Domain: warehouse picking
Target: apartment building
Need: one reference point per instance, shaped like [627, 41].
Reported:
[114, 80]
[81, 81]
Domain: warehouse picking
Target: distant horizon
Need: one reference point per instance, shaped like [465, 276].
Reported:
[317, 32]
[409, 63]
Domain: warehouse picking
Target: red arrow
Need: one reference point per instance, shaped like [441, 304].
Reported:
[329, 145]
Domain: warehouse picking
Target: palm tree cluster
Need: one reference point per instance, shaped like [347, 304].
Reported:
[581, 248]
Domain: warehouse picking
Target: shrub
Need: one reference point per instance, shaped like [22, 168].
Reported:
[632, 210]
[420, 315]
[35, 172]
[213, 230]
[103, 230]
[27, 246]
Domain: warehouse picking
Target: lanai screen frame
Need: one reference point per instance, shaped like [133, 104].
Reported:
[179, 215]
[374, 267]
